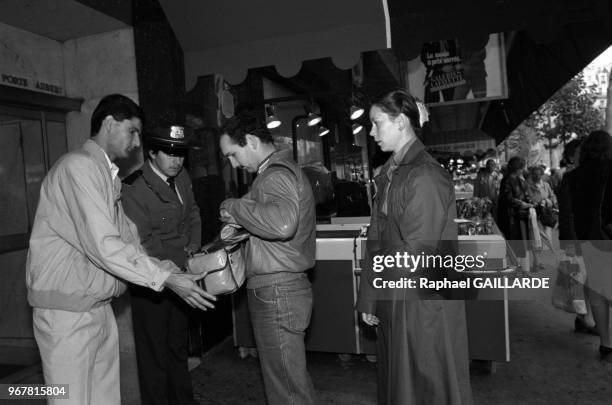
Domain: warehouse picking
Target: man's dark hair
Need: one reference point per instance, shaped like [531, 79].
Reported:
[242, 124]
[119, 107]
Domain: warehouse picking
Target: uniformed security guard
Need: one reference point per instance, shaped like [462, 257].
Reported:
[160, 200]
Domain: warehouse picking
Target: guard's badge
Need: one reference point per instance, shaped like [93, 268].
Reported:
[177, 132]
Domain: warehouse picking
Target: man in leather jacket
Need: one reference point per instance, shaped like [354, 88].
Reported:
[279, 213]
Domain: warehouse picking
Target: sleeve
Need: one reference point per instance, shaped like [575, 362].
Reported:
[98, 236]
[368, 296]
[195, 239]
[509, 196]
[551, 195]
[276, 216]
[425, 214]
[505, 191]
[532, 192]
[137, 211]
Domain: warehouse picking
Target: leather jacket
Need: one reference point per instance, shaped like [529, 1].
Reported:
[279, 213]
[419, 220]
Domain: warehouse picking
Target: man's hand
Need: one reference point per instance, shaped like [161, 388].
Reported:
[185, 286]
[370, 319]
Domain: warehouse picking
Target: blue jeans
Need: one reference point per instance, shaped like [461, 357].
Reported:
[280, 314]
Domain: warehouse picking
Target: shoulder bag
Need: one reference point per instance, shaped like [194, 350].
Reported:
[222, 261]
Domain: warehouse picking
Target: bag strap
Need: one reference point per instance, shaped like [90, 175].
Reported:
[227, 252]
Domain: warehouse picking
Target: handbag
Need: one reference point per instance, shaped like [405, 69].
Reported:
[222, 261]
[547, 215]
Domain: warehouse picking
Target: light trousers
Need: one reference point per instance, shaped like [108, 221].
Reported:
[80, 349]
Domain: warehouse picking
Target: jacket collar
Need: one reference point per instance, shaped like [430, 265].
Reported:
[98, 154]
[283, 156]
[96, 151]
[413, 151]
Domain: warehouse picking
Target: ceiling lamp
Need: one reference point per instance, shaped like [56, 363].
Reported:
[356, 127]
[272, 120]
[356, 112]
[313, 119]
[323, 131]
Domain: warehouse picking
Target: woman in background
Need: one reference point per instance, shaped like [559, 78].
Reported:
[541, 195]
[422, 338]
[513, 208]
[569, 161]
[487, 184]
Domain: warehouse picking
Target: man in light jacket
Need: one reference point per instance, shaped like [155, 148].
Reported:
[279, 213]
[83, 250]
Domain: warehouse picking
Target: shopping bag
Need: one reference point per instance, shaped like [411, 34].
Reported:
[534, 230]
[568, 293]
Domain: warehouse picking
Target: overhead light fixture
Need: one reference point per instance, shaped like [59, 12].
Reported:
[323, 130]
[356, 112]
[358, 100]
[356, 127]
[313, 119]
[272, 120]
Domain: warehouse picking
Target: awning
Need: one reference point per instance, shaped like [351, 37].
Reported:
[63, 19]
[238, 35]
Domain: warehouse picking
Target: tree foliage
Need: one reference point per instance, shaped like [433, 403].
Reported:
[571, 110]
[609, 105]
[520, 141]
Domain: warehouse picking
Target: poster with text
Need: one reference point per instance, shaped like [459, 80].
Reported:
[447, 73]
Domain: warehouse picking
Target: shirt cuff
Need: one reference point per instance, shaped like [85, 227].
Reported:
[157, 283]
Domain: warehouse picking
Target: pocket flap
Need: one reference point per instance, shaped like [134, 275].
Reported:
[207, 262]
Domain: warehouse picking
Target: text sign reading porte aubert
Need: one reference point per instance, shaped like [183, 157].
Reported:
[30, 84]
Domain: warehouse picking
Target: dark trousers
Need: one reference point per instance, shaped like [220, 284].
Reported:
[280, 314]
[162, 339]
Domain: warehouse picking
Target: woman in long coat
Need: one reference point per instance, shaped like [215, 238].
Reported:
[422, 338]
[513, 208]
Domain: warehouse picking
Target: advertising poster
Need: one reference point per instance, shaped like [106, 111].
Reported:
[447, 73]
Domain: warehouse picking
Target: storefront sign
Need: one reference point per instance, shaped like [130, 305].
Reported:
[462, 147]
[30, 84]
